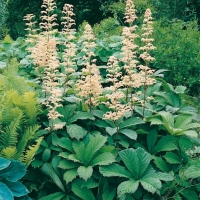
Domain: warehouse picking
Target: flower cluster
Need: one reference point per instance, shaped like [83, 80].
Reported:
[118, 109]
[89, 87]
[130, 11]
[44, 55]
[48, 19]
[69, 55]
[146, 72]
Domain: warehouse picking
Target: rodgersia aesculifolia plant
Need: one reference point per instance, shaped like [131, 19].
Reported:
[105, 118]
[88, 88]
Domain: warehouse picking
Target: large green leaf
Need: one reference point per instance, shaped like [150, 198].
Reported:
[93, 146]
[161, 164]
[82, 192]
[129, 133]
[164, 176]
[79, 148]
[166, 143]
[49, 171]
[81, 115]
[150, 184]
[54, 196]
[190, 133]
[136, 161]
[131, 122]
[192, 172]
[70, 175]
[108, 192]
[189, 194]
[111, 131]
[114, 170]
[67, 111]
[125, 187]
[85, 172]
[65, 143]
[167, 118]
[192, 126]
[103, 159]
[183, 120]
[172, 158]
[151, 140]
[67, 164]
[76, 131]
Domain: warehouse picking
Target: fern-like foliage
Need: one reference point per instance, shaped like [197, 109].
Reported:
[19, 109]
[31, 107]
[29, 154]
[9, 153]
[8, 136]
[10, 80]
[27, 136]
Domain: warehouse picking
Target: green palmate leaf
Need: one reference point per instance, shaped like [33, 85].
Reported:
[150, 184]
[46, 155]
[190, 133]
[64, 154]
[189, 194]
[90, 183]
[82, 192]
[65, 143]
[164, 176]
[93, 146]
[54, 196]
[166, 143]
[70, 175]
[155, 120]
[49, 171]
[180, 89]
[74, 158]
[185, 143]
[127, 187]
[131, 122]
[111, 131]
[103, 159]
[161, 164]
[172, 158]
[67, 164]
[79, 148]
[129, 133]
[183, 120]
[85, 172]
[5, 193]
[98, 113]
[76, 131]
[101, 123]
[167, 118]
[67, 111]
[192, 172]
[81, 115]
[192, 126]
[108, 192]
[151, 140]
[177, 197]
[136, 161]
[114, 170]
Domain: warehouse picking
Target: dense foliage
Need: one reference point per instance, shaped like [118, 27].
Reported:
[109, 126]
